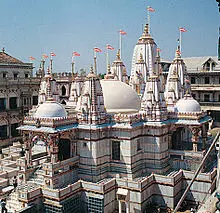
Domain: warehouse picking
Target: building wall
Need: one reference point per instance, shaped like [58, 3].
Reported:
[16, 82]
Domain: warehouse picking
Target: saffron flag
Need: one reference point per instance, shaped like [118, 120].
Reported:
[76, 54]
[32, 58]
[109, 47]
[150, 9]
[158, 50]
[122, 32]
[52, 54]
[96, 49]
[182, 29]
[45, 56]
[178, 52]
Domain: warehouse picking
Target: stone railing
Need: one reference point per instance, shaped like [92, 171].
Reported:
[51, 122]
[62, 165]
[187, 115]
[129, 118]
[20, 81]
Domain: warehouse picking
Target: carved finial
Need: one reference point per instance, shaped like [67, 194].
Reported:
[91, 69]
[48, 70]
[3, 49]
[109, 72]
[158, 52]
[118, 55]
[178, 53]
[146, 29]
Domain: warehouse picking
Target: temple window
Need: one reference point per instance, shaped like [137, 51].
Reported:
[116, 150]
[207, 80]
[14, 131]
[35, 100]
[4, 75]
[3, 132]
[2, 104]
[193, 80]
[13, 103]
[206, 98]
[26, 75]
[15, 76]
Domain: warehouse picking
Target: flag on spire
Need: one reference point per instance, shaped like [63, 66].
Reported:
[52, 54]
[96, 49]
[150, 9]
[109, 47]
[45, 56]
[158, 50]
[32, 58]
[122, 32]
[76, 54]
[182, 29]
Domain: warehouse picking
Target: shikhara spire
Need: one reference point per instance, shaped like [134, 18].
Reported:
[91, 103]
[177, 81]
[153, 102]
[118, 69]
[138, 80]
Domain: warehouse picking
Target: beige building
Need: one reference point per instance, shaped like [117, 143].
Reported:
[18, 92]
[204, 75]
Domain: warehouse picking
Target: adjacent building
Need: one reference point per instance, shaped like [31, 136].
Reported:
[18, 93]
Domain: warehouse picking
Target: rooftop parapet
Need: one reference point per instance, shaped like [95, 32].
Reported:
[50, 122]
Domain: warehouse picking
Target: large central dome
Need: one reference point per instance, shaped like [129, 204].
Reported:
[119, 97]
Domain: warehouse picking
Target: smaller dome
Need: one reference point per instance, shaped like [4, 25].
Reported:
[188, 104]
[50, 109]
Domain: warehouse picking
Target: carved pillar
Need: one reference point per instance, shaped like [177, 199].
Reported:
[28, 153]
[119, 206]
[54, 149]
[195, 138]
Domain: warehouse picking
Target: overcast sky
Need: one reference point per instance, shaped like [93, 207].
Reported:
[36, 27]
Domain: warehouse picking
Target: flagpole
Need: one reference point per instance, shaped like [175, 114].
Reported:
[107, 60]
[51, 64]
[95, 68]
[148, 19]
[180, 40]
[120, 42]
[73, 67]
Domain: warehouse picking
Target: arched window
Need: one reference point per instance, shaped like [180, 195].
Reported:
[63, 89]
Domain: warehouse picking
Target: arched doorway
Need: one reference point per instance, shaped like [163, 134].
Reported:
[181, 139]
[64, 149]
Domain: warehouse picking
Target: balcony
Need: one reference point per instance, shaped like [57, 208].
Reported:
[205, 87]
[19, 81]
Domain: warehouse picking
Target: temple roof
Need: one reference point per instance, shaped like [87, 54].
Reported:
[7, 59]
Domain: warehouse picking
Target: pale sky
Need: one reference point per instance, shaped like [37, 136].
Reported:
[33, 27]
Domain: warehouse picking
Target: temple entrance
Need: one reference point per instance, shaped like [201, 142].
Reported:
[64, 149]
[181, 139]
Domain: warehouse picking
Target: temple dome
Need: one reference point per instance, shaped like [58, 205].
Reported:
[119, 97]
[50, 109]
[188, 104]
